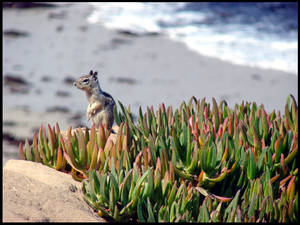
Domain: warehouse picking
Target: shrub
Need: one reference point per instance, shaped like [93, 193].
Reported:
[198, 163]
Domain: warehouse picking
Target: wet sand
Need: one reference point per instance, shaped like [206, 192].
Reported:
[47, 48]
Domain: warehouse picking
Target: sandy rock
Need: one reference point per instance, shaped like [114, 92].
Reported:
[33, 192]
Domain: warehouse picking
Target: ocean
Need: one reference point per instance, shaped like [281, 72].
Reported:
[258, 34]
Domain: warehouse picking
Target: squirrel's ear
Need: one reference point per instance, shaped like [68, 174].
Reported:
[91, 72]
[95, 76]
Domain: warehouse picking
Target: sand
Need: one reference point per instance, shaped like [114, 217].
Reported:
[33, 192]
[58, 45]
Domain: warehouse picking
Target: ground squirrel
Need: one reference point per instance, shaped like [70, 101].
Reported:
[101, 104]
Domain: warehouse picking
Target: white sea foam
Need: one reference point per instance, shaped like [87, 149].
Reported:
[240, 44]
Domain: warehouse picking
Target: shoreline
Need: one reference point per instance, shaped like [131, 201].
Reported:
[137, 70]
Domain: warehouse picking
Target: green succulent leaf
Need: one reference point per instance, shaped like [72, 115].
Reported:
[200, 162]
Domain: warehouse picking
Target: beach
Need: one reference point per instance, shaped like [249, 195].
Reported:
[48, 48]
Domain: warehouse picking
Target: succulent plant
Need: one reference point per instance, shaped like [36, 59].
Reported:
[196, 163]
[84, 150]
[45, 150]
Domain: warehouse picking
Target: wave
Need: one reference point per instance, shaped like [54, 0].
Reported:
[265, 40]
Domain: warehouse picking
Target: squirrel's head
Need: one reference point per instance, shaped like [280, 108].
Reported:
[87, 82]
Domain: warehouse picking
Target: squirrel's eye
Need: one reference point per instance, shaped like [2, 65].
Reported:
[86, 80]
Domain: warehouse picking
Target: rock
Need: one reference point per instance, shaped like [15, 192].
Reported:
[27, 5]
[10, 123]
[46, 78]
[83, 28]
[16, 84]
[33, 192]
[57, 15]
[11, 138]
[120, 41]
[128, 33]
[13, 79]
[69, 81]
[58, 109]
[59, 28]
[60, 93]
[15, 33]
[256, 77]
[125, 80]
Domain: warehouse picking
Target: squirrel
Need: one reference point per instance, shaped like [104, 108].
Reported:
[101, 104]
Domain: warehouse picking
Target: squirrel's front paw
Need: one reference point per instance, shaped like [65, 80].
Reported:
[88, 116]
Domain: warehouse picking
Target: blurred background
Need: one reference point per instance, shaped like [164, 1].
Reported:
[255, 34]
[146, 54]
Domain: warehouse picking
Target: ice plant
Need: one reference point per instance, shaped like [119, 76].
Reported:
[45, 150]
[203, 162]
